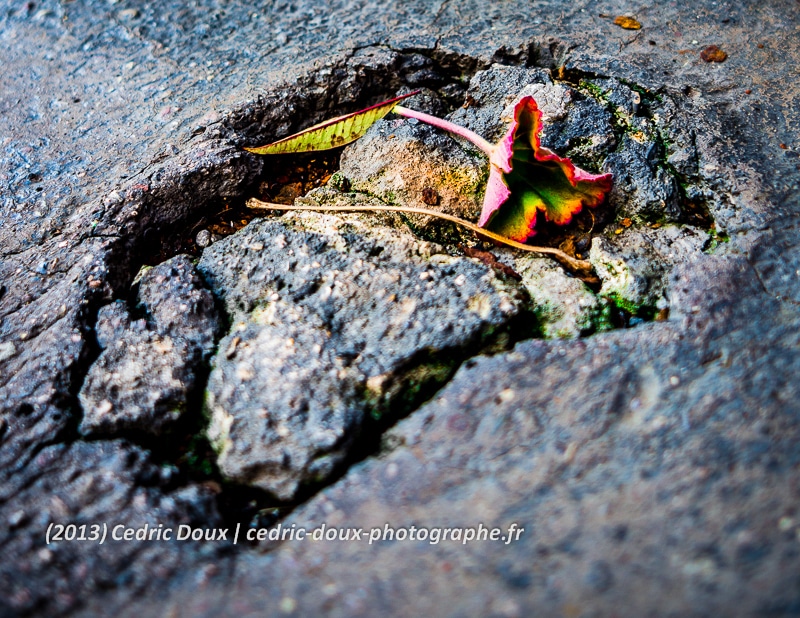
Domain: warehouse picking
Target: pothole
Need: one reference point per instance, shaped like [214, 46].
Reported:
[284, 180]
[318, 355]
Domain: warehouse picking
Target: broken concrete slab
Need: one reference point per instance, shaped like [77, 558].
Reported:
[578, 444]
[634, 265]
[333, 321]
[149, 366]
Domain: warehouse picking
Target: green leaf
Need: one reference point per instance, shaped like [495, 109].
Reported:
[332, 133]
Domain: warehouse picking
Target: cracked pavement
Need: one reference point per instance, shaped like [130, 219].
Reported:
[654, 468]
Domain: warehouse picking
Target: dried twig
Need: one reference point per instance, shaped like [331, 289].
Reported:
[582, 267]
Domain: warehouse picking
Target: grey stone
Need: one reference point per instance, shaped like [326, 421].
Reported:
[634, 266]
[149, 366]
[564, 306]
[643, 190]
[405, 162]
[585, 133]
[334, 321]
[178, 304]
[87, 485]
[600, 577]
[426, 100]
[203, 239]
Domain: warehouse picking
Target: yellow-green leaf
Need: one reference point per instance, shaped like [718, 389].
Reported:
[332, 133]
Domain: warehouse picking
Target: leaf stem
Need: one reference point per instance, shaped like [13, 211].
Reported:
[468, 135]
[583, 267]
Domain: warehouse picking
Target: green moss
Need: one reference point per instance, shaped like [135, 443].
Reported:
[545, 313]
[623, 303]
[339, 181]
[593, 90]
[583, 153]
[205, 409]
[603, 320]
[715, 239]
[198, 457]
[398, 394]
[648, 96]
[643, 311]
[466, 180]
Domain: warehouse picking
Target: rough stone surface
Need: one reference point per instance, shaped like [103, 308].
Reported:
[149, 366]
[654, 469]
[333, 321]
[90, 484]
[493, 93]
[405, 162]
[634, 265]
[564, 306]
[642, 190]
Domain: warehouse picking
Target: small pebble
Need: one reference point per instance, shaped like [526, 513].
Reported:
[506, 395]
[203, 239]
[16, 519]
[288, 605]
[430, 196]
[628, 23]
[7, 350]
[104, 407]
[712, 53]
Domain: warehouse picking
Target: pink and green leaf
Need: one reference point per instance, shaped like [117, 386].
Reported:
[331, 133]
[525, 178]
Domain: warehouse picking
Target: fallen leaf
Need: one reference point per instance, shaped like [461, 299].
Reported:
[629, 23]
[525, 178]
[712, 53]
[332, 133]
